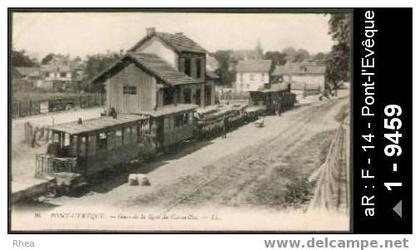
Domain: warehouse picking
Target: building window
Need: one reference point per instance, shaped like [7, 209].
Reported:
[262, 76]
[47, 74]
[251, 77]
[63, 74]
[187, 95]
[187, 66]
[198, 64]
[168, 96]
[241, 77]
[130, 90]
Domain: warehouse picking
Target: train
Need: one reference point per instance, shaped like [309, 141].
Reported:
[87, 147]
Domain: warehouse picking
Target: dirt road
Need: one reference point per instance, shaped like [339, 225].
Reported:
[252, 167]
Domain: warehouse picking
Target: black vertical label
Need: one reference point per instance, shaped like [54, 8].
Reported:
[382, 184]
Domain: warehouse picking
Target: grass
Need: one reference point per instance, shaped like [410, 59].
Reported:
[287, 185]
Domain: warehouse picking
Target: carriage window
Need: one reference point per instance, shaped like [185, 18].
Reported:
[102, 141]
[66, 139]
[133, 134]
[181, 120]
[127, 136]
[129, 90]
[110, 140]
[92, 145]
[73, 144]
[56, 138]
[139, 131]
[82, 148]
[185, 119]
[118, 138]
[178, 120]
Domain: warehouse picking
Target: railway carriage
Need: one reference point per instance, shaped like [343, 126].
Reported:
[89, 146]
[274, 98]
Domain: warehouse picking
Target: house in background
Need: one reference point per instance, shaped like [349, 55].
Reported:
[56, 74]
[27, 73]
[301, 76]
[244, 55]
[164, 77]
[252, 75]
[25, 77]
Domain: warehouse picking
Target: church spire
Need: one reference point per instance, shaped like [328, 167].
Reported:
[259, 51]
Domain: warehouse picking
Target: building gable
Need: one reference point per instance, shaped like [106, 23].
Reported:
[178, 42]
[161, 49]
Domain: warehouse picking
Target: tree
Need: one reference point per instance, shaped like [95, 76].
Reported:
[47, 58]
[301, 55]
[339, 57]
[320, 57]
[276, 57]
[95, 64]
[20, 59]
[290, 53]
[224, 58]
[338, 64]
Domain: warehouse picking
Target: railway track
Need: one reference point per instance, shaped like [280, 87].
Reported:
[255, 166]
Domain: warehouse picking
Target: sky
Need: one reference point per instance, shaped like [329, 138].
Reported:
[80, 34]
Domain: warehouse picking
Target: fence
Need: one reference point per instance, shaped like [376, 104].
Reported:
[46, 164]
[331, 190]
[23, 108]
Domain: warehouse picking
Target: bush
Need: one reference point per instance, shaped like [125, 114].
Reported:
[298, 192]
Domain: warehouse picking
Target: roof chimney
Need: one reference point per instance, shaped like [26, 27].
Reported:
[150, 31]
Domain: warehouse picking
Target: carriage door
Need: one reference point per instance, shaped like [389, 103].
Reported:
[130, 99]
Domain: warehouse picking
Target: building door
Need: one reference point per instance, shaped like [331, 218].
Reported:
[130, 99]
